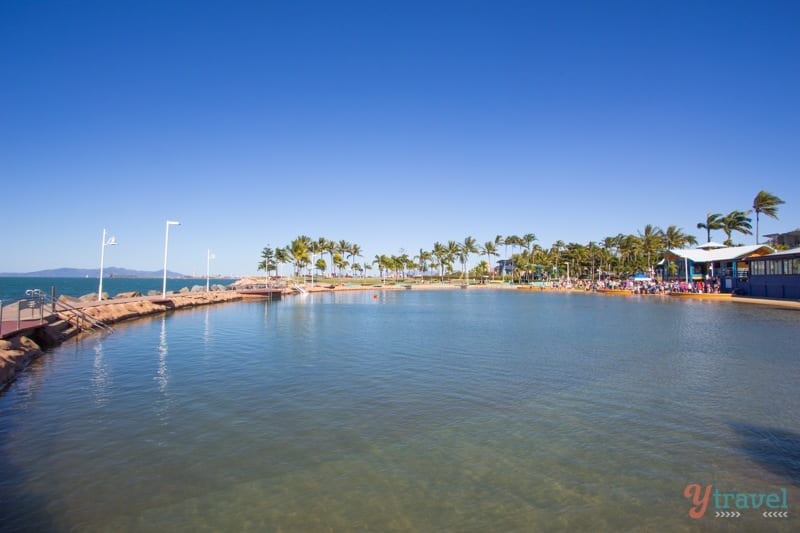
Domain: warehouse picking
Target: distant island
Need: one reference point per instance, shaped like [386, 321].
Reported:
[112, 272]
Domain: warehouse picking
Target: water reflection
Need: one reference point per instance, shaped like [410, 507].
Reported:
[162, 374]
[102, 381]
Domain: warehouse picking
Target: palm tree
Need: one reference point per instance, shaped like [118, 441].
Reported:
[489, 249]
[499, 240]
[469, 246]
[423, 258]
[453, 249]
[674, 237]
[651, 240]
[328, 247]
[513, 240]
[380, 260]
[713, 221]
[341, 248]
[281, 257]
[527, 240]
[341, 264]
[353, 252]
[766, 203]
[299, 252]
[736, 221]
[440, 253]
[321, 266]
[315, 248]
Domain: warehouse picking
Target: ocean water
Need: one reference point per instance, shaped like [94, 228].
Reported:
[13, 288]
[409, 411]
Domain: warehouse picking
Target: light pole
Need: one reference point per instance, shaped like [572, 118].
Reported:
[567, 272]
[209, 257]
[166, 249]
[111, 241]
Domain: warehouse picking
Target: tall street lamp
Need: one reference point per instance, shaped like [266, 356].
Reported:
[209, 257]
[111, 241]
[166, 249]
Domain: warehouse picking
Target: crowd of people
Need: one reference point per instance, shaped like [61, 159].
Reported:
[648, 286]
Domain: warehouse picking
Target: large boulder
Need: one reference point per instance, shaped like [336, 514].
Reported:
[69, 300]
[129, 294]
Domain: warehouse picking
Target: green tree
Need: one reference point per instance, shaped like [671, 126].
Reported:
[527, 240]
[736, 221]
[353, 252]
[321, 266]
[713, 221]
[467, 248]
[441, 255]
[651, 242]
[380, 261]
[299, 253]
[674, 237]
[489, 249]
[766, 203]
[423, 257]
[281, 257]
[267, 260]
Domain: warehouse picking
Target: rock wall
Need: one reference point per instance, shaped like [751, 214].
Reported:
[16, 354]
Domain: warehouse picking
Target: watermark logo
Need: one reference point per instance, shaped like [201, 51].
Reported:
[733, 504]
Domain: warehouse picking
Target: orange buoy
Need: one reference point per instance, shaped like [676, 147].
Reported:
[374, 296]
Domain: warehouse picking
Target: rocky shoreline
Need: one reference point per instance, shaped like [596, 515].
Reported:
[17, 352]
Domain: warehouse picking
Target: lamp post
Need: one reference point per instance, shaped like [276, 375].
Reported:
[567, 263]
[166, 249]
[111, 241]
[209, 257]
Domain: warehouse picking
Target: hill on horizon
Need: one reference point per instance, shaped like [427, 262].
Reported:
[65, 272]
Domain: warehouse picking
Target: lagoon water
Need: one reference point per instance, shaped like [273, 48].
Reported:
[408, 411]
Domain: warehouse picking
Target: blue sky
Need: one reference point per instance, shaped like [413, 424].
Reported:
[388, 124]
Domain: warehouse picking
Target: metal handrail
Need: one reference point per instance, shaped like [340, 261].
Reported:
[80, 314]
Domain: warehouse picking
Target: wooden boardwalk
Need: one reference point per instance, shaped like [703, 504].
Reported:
[26, 320]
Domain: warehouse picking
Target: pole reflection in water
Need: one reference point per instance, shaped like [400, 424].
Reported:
[162, 374]
[102, 381]
[206, 329]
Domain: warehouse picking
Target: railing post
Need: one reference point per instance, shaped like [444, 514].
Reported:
[19, 312]
[41, 309]
[53, 299]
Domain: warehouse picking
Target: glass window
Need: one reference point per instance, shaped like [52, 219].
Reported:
[771, 267]
[796, 265]
[757, 268]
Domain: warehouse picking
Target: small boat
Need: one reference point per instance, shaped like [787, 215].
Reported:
[624, 292]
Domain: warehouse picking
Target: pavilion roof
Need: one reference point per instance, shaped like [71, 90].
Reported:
[729, 253]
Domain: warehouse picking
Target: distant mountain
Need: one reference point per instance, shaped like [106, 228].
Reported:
[115, 272]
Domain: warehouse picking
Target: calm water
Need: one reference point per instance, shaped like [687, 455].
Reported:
[412, 411]
[14, 288]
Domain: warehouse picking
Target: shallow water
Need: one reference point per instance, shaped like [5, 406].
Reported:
[408, 411]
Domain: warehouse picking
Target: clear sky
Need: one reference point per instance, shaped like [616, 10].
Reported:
[392, 124]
